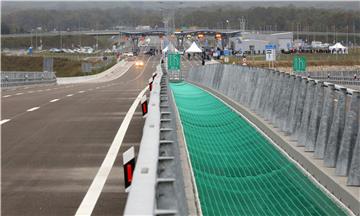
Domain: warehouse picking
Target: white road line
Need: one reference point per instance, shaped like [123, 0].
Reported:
[47, 89]
[69, 95]
[81, 92]
[52, 101]
[88, 203]
[4, 121]
[7, 96]
[30, 91]
[20, 93]
[32, 109]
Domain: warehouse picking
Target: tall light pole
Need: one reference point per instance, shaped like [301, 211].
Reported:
[31, 38]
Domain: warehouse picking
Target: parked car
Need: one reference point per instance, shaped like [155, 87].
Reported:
[128, 54]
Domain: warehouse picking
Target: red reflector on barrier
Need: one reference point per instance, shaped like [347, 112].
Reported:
[151, 80]
[129, 167]
[129, 172]
[144, 106]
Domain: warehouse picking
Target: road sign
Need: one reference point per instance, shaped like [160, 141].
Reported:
[129, 166]
[299, 64]
[173, 61]
[270, 52]
[244, 61]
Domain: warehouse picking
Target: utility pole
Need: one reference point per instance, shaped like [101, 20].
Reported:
[242, 21]
[354, 42]
[31, 38]
[79, 33]
[347, 35]
[36, 39]
[61, 46]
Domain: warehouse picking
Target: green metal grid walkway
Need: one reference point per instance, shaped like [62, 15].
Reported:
[237, 170]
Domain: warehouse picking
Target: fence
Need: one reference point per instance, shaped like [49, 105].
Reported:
[15, 78]
[349, 78]
[157, 187]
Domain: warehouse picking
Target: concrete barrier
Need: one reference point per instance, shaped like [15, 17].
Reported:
[110, 74]
[321, 118]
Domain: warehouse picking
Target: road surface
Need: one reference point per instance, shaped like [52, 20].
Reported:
[55, 137]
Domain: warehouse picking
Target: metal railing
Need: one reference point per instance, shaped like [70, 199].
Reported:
[17, 78]
[157, 187]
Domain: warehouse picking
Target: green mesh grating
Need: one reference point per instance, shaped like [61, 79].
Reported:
[237, 170]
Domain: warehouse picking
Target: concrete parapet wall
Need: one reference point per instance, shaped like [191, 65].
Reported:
[110, 74]
[319, 118]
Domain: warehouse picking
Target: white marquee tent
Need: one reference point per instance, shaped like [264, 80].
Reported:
[338, 48]
[193, 48]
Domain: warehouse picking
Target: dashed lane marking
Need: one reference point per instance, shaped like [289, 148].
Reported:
[32, 109]
[52, 101]
[69, 95]
[81, 92]
[5, 96]
[20, 93]
[4, 121]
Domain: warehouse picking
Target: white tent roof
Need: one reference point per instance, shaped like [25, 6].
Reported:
[171, 47]
[337, 46]
[193, 48]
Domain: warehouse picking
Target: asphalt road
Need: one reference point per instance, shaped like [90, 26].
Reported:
[57, 138]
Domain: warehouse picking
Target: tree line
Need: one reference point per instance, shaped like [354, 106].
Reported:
[288, 18]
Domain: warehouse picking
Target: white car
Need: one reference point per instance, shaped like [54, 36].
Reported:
[129, 54]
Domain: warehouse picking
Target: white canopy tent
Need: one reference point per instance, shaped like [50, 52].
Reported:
[172, 48]
[194, 48]
[338, 48]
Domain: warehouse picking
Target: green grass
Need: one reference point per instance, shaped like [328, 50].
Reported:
[64, 67]
[238, 171]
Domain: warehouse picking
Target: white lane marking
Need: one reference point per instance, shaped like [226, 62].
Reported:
[7, 96]
[30, 91]
[69, 95]
[47, 89]
[20, 93]
[52, 101]
[97, 87]
[32, 109]
[81, 92]
[4, 121]
[88, 203]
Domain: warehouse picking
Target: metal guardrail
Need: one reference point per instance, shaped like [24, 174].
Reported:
[347, 78]
[157, 187]
[17, 78]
